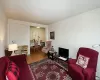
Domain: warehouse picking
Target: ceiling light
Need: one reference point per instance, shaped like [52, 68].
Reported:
[37, 27]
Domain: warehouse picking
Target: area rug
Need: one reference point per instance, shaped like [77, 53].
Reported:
[48, 69]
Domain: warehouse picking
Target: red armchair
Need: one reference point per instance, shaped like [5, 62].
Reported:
[79, 73]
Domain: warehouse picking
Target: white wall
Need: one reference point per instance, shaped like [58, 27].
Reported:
[23, 36]
[79, 31]
[3, 29]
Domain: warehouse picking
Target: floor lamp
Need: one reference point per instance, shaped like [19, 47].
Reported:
[12, 47]
[95, 46]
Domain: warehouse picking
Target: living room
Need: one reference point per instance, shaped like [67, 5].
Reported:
[74, 27]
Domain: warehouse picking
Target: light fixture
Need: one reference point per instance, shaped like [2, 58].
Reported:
[96, 45]
[12, 47]
[37, 27]
[1, 39]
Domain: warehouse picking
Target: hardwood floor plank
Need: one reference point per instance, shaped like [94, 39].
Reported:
[36, 56]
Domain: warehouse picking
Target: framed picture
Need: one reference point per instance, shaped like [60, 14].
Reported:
[52, 35]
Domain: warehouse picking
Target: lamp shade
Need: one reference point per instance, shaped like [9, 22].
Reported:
[12, 47]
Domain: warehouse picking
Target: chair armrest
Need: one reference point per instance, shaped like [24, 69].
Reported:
[89, 73]
[71, 61]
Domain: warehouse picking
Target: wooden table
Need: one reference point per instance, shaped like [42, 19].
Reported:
[8, 53]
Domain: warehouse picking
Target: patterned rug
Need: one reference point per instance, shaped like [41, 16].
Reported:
[48, 69]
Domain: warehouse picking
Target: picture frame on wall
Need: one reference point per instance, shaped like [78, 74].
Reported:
[52, 35]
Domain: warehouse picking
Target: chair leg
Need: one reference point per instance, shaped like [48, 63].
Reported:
[34, 49]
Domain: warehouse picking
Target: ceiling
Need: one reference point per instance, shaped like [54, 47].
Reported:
[46, 11]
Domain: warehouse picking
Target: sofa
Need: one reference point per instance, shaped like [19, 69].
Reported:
[20, 61]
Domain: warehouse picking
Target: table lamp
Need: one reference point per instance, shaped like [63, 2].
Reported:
[12, 47]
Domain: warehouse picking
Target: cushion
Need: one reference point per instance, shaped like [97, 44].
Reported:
[76, 69]
[77, 72]
[20, 61]
[82, 61]
[3, 65]
[12, 72]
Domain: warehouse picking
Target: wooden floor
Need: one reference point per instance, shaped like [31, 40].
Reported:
[36, 56]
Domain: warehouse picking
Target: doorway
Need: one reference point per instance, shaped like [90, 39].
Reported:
[37, 39]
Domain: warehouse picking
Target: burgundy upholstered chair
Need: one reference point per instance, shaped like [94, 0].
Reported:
[79, 73]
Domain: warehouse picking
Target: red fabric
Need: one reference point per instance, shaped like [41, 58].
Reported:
[92, 54]
[10, 76]
[79, 73]
[3, 64]
[71, 61]
[88, 72]
[20, 60]
[12, 71]
[75, 71]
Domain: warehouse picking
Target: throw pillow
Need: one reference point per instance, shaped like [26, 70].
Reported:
[82, 61]
[12, 72]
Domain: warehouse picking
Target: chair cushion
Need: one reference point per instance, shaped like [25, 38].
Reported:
[3, 64]
[82, 61]
[12, 71]
[20, 61]
[75, 71]
[89, 73]
[71, 61]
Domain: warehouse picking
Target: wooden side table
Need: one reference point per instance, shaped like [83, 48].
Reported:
[8, 53]
[55, 57]
[51, 54]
